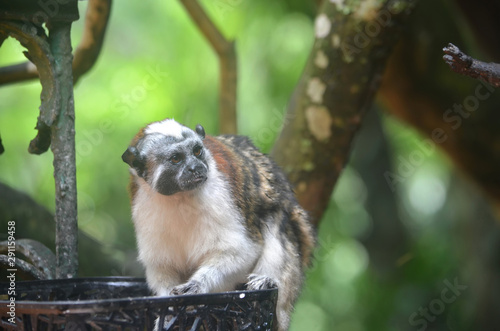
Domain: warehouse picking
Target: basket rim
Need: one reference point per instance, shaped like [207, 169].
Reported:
[152, 301]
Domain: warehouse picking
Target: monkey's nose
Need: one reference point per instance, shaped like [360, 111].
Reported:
[196, 169]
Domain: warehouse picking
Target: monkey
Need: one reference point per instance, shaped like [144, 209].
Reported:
[213, 212]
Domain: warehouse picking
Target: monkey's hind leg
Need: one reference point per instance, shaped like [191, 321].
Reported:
[278, 265]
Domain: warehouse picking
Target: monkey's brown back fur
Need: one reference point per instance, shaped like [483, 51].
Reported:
[260, 187]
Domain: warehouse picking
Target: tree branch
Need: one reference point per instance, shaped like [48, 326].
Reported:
[228, 65]
[17, 73]
[458, 116]
[353, 42]
[86, 54]
[465, 65]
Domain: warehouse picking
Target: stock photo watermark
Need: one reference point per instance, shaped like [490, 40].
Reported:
[425, 315]
[121, 109]
[11, 271]
[48, 10]
[276, 123]
[225, 7]
[376, 19]
[322, 252]
[454, 116]
[364, 36]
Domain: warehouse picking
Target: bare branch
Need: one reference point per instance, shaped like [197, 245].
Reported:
[18, 73]
[228, 65]
[87, 52]
[465, 65]
[206, 26]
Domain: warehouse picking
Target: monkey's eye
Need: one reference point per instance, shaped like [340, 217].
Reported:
[197, 150]
[176, 158]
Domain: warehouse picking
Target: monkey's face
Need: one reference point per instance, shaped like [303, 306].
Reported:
[170, 157]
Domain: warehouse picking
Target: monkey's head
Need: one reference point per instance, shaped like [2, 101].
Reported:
[170, 157]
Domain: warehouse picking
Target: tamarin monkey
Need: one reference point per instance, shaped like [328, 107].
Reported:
[212, 213]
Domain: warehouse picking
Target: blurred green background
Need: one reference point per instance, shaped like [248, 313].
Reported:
[385, 253]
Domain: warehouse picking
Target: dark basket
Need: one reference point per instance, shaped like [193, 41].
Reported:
[120, 303]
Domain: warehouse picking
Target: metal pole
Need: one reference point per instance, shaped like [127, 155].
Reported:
[63, 148]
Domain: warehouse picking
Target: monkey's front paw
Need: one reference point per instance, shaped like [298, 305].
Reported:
[191, 287]
[260, 282]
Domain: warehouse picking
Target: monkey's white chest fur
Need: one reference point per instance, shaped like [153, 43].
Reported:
[189, 233]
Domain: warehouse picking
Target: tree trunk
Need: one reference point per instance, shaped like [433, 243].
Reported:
[353, 41]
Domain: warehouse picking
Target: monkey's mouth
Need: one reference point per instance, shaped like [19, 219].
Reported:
[194, 182]
[199, 179]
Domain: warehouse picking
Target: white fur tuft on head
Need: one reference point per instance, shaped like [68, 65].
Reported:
[167, 127]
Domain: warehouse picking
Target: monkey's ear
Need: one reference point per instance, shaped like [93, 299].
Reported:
[200, 131]
[133, 158]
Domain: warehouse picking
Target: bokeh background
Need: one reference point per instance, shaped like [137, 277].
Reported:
[387, 251]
